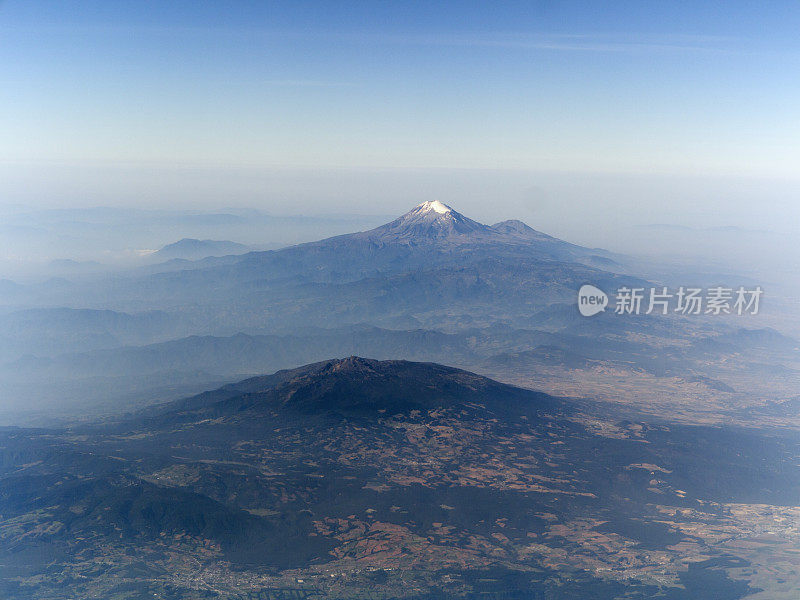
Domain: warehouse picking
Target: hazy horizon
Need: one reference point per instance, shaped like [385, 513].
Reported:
[743, 224]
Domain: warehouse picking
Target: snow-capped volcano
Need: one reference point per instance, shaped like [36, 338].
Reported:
[431, 233]
[434, 206]
[430, 220]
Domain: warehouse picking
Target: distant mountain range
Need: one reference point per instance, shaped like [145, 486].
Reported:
[430, 258]
[431, 285]
[432, 266]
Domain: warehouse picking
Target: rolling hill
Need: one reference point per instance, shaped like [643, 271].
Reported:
[391, 479]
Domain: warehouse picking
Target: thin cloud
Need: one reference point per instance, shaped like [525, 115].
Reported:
[310, 83]
[565, 42]
[554, 42]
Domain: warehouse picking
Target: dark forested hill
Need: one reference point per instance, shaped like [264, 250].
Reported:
[391, 479]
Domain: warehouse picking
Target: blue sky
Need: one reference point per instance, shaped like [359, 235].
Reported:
[619, 86]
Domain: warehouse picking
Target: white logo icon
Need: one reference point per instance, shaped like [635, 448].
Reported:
[591, 300]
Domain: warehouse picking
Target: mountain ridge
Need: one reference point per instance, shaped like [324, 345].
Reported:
[195, 249]
[355, 387]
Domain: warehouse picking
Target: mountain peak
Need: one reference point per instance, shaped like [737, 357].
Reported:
[352, 365]
[193, 249]
[432, 212]
[435, 206]
[356, 385]
[513, 226]
[432, 220]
